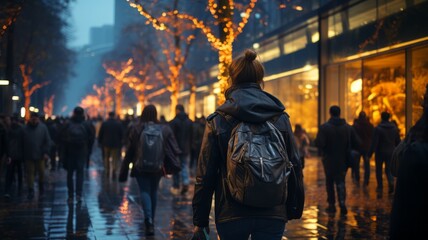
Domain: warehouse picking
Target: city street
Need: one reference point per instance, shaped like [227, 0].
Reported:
[111, 210]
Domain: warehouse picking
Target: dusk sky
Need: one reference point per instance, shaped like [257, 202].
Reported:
[86, 14]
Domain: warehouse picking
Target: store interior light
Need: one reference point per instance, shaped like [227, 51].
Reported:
[23, 112]
[4, 82]
[31, 109]
[256, 45]
[357, 85]
[15, 98]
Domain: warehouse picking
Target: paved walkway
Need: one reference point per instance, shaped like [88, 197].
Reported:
[110, 210]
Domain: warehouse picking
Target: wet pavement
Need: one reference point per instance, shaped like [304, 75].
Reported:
[111, 210]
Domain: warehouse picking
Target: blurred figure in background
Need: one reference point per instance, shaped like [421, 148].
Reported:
[302, 142]
[110, 140]
[198, 133]
[16, 155]
[364, 130]
[37, 144]
[385, 138]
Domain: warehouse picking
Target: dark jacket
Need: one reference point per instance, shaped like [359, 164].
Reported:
[409, 209]
[135, 130]
[74, 156]
[4, 149]
[334, 140]
[249, 103]
[385, 138]
[364, 130]
[16, 142]
[181, 125]
[37, 142]
[111, 134]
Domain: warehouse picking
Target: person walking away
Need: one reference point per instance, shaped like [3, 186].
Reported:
[181, 125]
[385, 138]
[198, 133]
[147, 165]
[334, 140]
[409, 209]
[246, 104]
[53, 132]
[110, 139]
[90, 124]
[364, 130]
[37, 144]
[302, 142]
[16, 155]
[75, 140]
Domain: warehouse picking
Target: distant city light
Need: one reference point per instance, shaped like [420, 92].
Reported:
[298, 8]
[31, 109]
[282, 5]
[23, 112]
[15, 98]
[256, 45]
[4, 82]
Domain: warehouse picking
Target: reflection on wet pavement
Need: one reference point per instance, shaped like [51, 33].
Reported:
[111, 210]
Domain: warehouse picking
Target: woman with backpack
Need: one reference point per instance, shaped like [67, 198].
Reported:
[149, 143]
[262, 213]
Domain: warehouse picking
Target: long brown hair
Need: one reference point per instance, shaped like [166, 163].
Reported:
[246, 69]
[149, 114]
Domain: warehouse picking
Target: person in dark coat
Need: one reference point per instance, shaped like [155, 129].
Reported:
[335, 139]
[75, 150]
[409, 208]
[181, 125]
[385, 138]
[198, 133]
[245, 101]
[37, 144]
[148, 183]
[364, 130]
[110, 138]
[16, 155]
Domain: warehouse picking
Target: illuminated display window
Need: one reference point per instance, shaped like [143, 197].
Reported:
[419, 80]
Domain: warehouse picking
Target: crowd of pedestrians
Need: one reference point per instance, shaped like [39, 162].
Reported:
[201, 147]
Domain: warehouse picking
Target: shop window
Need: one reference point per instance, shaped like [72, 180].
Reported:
[269, 51]
[353, 94]
[419, 80]
[334, 25]
[362, 14]
[295, 41]
[389, 7]
[383, 88]
[299, 94]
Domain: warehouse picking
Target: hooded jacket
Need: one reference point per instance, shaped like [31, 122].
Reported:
[245, 102]
[335, 139]
[385, 138]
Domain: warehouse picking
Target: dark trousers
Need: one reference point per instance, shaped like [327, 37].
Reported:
[258, 228]
[52, 156]
[14, 167]
[78, 180]
[380, 159]
[356, 169]
[337, 179]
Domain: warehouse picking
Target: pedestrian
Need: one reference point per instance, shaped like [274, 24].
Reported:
[181, 125]
[110, 139]
[16, 155]
[148, 178]
[409, 209]
[75, 136]
[364, 130]
[385, 138]
[335, 139]
[246, 104]
[53, 132]
[198, 133]
[91, 127]
[37, 144]
[302, 142]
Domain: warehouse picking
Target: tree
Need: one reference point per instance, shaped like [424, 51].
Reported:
[224, 20]
[39, 49]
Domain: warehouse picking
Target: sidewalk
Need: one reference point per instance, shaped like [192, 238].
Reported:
[111, 210]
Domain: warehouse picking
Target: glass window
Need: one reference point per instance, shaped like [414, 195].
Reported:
[383, 88]
[332, 87]
[269, 51]
[362, 14]
[419, 80]
[295, 41]
[353, 92]
[335, 25]
[299, 94]
[389, 7]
